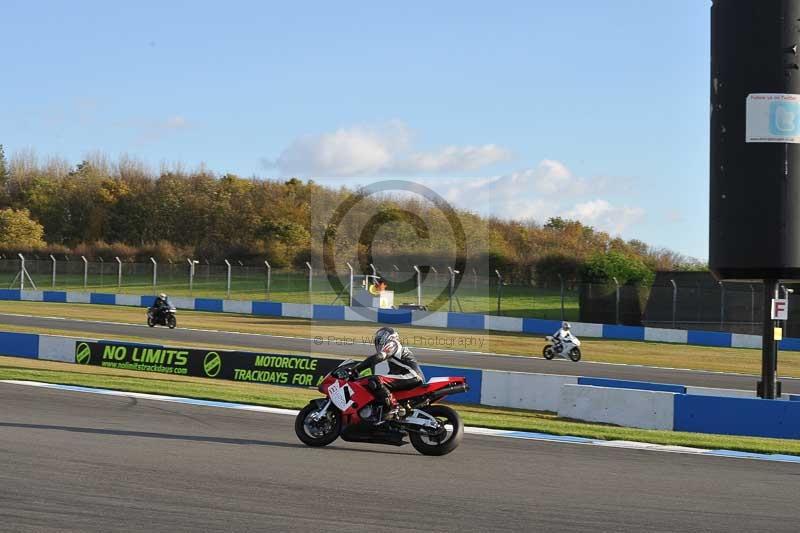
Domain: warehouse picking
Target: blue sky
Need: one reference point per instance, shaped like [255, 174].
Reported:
[597, 110]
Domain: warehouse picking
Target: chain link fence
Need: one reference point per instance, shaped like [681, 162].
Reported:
[681, 301]
[430, 289]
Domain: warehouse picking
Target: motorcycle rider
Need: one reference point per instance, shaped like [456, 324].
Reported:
[160, 304]
[561, 336]
[394, 369]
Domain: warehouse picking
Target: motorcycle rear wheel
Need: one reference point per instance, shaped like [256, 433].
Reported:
[445, 442]
[303, 427]
[548, 352]
[151, 322]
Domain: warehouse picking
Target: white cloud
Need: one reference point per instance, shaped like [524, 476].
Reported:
[454, 159]
[547, 190]
[374, 151]
[601, 214]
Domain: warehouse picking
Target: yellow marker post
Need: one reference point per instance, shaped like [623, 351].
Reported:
[778, 334]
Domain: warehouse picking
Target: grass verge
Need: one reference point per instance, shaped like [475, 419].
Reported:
[275, 396]
[735, 360]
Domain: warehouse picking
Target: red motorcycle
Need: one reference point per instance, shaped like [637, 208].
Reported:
[350, 411]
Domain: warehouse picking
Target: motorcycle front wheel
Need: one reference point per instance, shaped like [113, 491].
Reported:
[575, 354]
[548, 352]
[317, 432]
[446, 439]
[171, 322]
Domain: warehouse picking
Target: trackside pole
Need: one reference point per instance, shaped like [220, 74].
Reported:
[768, 387]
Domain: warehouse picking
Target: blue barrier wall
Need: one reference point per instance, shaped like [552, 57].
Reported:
[328, 312]
[20, 344]
[709, 338]
[631, 333]
[394, 316]
[103, 299]
[208, 304]
[638, 385]
[54, 296]
[267, 308]
[737, 416]
[11, 294]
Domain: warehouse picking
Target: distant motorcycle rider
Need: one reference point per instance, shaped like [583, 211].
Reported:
[394, 369]
[160, 304]
[562, 335]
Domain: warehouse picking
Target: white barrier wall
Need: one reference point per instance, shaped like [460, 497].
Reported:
[79, 298]
[537, 392]
[623, 407]
[503, 323]
[53, 348]
[739, 340]
[237, 306]
[666, 335]
[298, 310]
[135, 300]
[182, 302]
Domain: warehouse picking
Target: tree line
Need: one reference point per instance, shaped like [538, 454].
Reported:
[104, 208]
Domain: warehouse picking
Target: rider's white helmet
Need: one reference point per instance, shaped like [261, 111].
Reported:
[565, 325]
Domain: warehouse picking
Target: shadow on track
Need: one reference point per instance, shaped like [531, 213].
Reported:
[190, 438]
[152, 435]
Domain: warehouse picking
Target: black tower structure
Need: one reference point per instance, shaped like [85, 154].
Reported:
[755, 151]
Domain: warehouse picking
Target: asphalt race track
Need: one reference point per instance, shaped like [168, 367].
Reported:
[77, 461]
[437, 357]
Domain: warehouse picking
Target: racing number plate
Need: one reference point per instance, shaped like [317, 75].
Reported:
[340, 395]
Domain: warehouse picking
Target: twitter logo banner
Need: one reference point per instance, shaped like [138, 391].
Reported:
[773, 118]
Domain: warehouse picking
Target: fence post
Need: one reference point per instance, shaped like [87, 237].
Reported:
[374, 270]
[155, 275]
[228, 289]
[419, 286]
[561, 281]
[617, 305]
[452, 286]
[191, 274]
[435, 274]
[85, 272]
[674, 301]
[21, 272]
[119, 272]
[499, 290]
[53, 280]
[101, 270]
[752, 309]
[269, 276]
[310, 282]
[395, 270]
[350, 300]
[721, 305]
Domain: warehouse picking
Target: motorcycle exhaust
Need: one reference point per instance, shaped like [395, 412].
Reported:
[452, 389]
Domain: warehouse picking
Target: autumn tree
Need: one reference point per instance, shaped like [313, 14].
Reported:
[18, 231]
